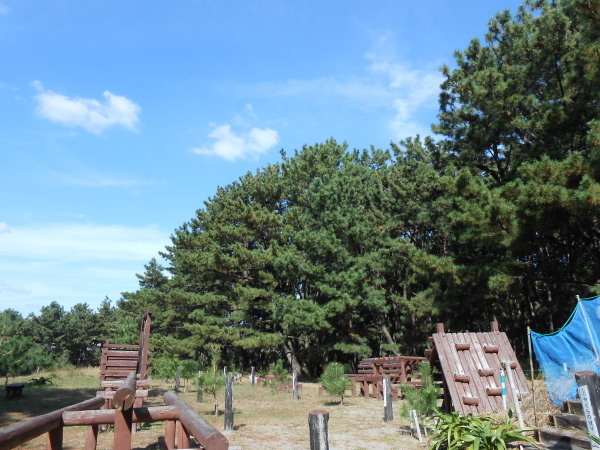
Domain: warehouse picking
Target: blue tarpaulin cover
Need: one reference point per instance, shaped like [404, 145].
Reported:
[571, 349]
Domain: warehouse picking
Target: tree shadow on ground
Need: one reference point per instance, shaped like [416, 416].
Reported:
[38, 400]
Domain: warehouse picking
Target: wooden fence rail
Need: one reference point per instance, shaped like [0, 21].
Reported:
[182, 422]
[50, 423]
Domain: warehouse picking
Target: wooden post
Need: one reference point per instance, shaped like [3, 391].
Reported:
[252, 377]
[123, 421]
[177, 378]
[588, 386]
[170, 434]
[318, 426]
[55, 439]
[295, 384]
[439, 328]
[91, 437]
[229, 403]
[388, 413]
[183, 437]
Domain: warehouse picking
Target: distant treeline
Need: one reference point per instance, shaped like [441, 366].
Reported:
[336, 254]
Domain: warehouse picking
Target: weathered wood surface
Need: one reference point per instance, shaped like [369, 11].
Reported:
[114, 384]
[229, 403]
[388, 414]
[18, 434]
[206, 435]
[470, 363]
[125, 395]
[318, 421]
[107, 416]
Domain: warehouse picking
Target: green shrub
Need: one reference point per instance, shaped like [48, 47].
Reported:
[335, 381]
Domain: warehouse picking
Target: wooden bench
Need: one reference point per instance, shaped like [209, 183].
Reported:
[14, 390]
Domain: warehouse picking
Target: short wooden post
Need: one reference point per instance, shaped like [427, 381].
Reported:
[183, 437]
[588, 386]
[252, 377]
[170, 434]
[295, 384]
[229, 403]
[91, 437]
[55, 438]
[318, 420]
[123, 421]
[388, 413]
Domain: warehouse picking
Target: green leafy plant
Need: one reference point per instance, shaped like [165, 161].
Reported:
[335, 381]
[454, 431]
[424, 399]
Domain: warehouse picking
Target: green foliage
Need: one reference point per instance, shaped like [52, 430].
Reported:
[337, 254]
[211, 381]
[164, 367]
[454, 431]
[424, 399]
[19, 354]
[335, 381]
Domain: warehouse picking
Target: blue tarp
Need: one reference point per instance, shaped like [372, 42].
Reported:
[571, 349]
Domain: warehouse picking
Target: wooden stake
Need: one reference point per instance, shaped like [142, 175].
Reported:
[388, 413]
[229, 403]
[318, 427]
[295, 385]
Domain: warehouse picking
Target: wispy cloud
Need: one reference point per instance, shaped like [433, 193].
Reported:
[88, 113]
[67, 262]
[231, 145]
[80, 242]
[410, 90]
[385, 85]
[4, 9]
[91, 179]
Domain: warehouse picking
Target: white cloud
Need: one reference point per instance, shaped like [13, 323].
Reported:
[384, 87]
[72, 263]
[411, 89]
[4, 228]
[87, 113]
[76, 242]
[232, 146]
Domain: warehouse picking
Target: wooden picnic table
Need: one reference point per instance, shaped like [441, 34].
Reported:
[372, 370]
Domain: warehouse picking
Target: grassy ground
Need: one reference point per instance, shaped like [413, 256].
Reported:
[264, 417]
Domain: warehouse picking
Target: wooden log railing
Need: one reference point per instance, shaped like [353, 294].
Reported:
[182, 422]
[50, 423]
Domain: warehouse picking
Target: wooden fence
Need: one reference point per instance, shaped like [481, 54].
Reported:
[182, 422]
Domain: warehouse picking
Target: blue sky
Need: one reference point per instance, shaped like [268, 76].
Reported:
[120, 118]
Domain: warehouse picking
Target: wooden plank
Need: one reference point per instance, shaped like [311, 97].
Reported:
[472, 398]
[474, 365]
[449, 369]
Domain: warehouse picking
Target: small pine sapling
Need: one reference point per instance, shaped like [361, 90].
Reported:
[211, 381]
[335, 381]
[422, 399]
